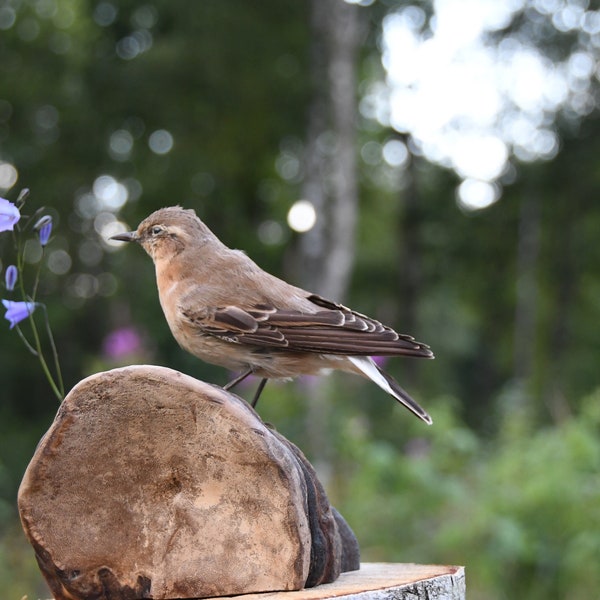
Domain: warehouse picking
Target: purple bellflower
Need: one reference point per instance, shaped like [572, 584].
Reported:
[10, 277]
[9, 215]
[17, 311]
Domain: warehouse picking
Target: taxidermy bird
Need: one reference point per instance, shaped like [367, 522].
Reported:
[224, 309]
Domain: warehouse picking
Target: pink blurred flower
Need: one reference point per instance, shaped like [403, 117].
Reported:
[380, 360]
[122, 342]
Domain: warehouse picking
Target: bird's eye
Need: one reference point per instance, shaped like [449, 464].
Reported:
[156, 230]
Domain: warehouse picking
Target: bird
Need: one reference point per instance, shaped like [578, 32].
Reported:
[224, 309]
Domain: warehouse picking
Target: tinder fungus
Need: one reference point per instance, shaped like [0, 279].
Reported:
[151, 484]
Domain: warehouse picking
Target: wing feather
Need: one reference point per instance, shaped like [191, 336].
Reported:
[334, 329]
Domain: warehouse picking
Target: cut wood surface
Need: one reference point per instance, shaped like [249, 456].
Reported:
[151, 484]
[384, 581]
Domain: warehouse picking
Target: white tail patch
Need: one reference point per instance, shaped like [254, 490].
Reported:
[366, 365]
[369, 368]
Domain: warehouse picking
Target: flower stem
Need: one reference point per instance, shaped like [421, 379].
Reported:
[26, 341]
[36, 347]
[60, 383]
[36, 281]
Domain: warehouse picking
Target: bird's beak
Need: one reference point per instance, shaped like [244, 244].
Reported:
[128, 236]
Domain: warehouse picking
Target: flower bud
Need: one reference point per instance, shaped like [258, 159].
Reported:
[10, 277]
[44, 229]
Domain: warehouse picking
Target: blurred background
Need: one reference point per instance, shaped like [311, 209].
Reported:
[432, 164]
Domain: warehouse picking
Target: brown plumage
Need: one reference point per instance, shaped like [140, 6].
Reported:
[227, 311]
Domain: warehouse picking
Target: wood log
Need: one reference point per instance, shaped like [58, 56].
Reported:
[384, 581]
[152, 484]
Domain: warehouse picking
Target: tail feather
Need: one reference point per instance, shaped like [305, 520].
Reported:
[368, 368]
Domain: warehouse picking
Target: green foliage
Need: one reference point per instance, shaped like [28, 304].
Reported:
[522, 511]
[19, 573]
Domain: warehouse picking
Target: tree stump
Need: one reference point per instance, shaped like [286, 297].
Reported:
[384, 581]
[152, 484]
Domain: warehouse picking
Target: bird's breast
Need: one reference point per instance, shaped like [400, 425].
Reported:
[169, 295]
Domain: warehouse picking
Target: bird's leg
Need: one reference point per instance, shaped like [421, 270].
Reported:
[261, 387]
[240, 378]
[237, 380]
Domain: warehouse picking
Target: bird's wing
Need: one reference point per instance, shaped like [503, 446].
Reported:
[333, 330]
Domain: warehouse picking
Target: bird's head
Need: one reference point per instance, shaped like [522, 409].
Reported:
[168, 232]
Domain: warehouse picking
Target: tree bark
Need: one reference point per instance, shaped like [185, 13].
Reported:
[526, 292]
[326, 252]
[343, 33]
[410, 263]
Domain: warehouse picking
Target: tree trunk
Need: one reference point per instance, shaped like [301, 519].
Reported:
[343, 29]
[410, 264]
[526, 292]
[566, 279]
[327, 251]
